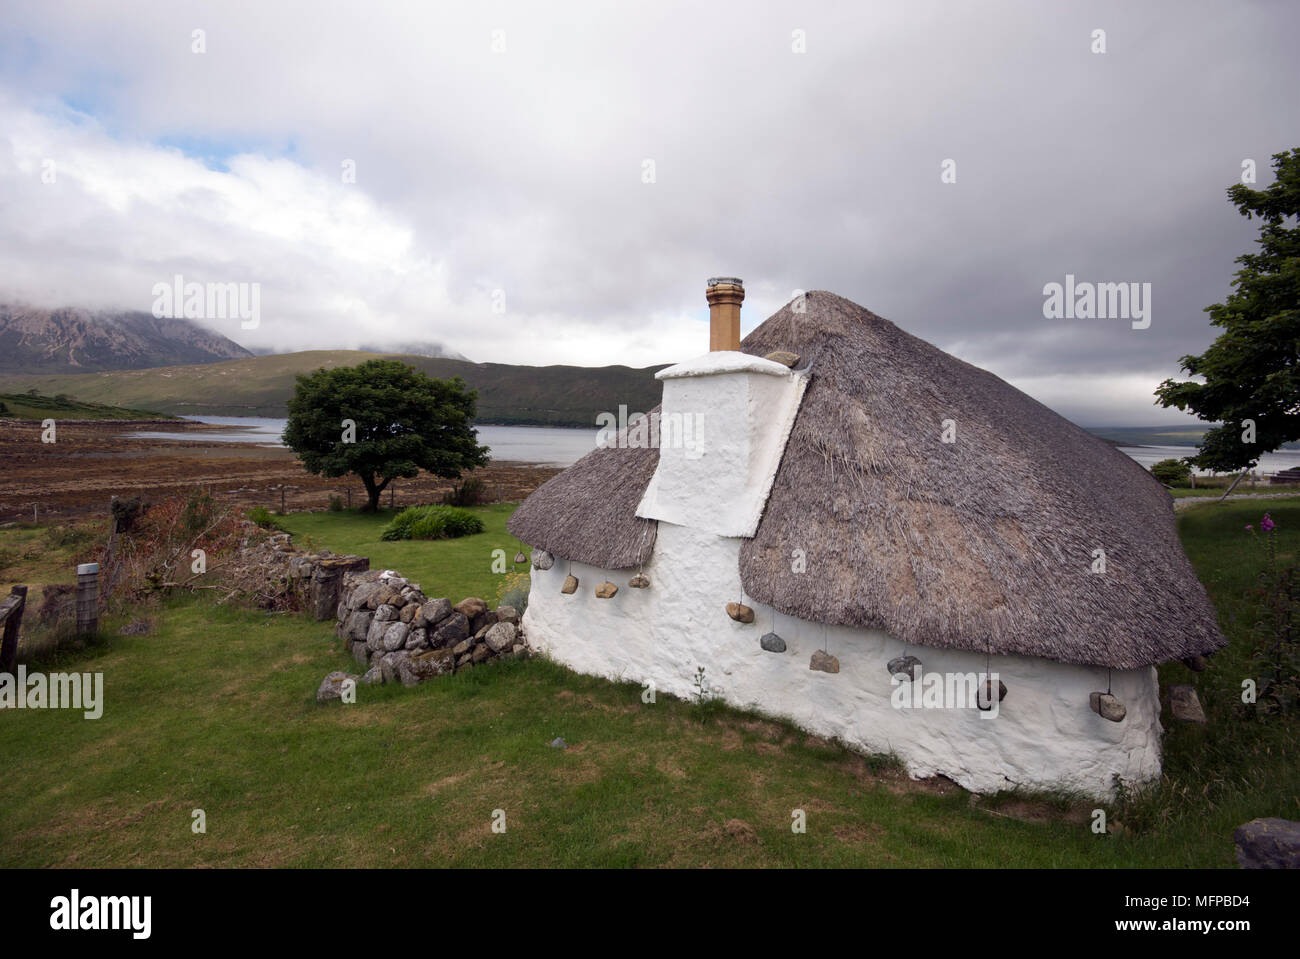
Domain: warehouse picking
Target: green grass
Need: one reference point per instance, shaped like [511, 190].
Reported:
[215, 711]
[26, 406]
[454, 568]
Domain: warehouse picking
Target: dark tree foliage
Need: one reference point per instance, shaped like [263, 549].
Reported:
[405, 421]
[1252, 371]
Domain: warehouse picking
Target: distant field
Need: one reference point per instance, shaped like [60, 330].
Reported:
[25, 406]
[262, 385]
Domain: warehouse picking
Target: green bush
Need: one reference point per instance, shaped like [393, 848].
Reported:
[472, 492]
[336, 504]
[263, 518]
[1172, 472]
[200, 513]
[432, 522]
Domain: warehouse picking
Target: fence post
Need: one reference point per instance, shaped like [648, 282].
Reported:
[87, 599]
[13, 622]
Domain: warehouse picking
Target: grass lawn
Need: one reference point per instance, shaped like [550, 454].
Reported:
[214, 710]
[454, 568]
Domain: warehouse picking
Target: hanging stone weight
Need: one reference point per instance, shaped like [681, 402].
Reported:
[520, 557]
[824, 661]
[984, 693]
[638, 582]
[542, 559]
[570, 584]
[908, 666]
[772, 643]
[1107, 706]
[740, 613]
[606, 590]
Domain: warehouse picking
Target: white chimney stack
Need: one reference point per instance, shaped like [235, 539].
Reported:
[723, 426]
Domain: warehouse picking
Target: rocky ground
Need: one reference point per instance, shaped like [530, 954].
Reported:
[92, 461]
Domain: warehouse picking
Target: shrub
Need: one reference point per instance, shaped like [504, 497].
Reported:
[472, 492]
[432, 522]
[514, 590]
[200, 513]
[336, 503]
[1172, 472]
[263, 518]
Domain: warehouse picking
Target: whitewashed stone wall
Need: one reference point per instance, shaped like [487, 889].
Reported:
[1043, 736]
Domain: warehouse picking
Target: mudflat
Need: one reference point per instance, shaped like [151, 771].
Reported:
[89, 462]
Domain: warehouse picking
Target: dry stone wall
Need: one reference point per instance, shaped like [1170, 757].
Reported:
[397, 634]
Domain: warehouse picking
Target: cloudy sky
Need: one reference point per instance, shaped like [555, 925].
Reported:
[502, 153]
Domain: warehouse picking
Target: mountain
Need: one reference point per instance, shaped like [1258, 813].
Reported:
[74, 340]
[262, 385]
[415, 349]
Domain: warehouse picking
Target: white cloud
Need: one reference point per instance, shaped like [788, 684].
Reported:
[521, 171]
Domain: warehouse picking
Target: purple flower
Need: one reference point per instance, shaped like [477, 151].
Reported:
[1249, 528]
[1266, 524]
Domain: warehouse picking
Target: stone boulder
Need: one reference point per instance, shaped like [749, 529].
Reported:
[470, 607]
[361, 595]
[908, 666]
[390, 665]
[332, 686]
[453, 629]
[385, 613]
[1268, 844]
[357, 625]
[482, 621]
[500, 637]
[395, 637]
[433, 612]
[417, 639]
[740, 612]
[507, 614]
[1185, 705]
[824, 662]
[375, 635]
[419, 667]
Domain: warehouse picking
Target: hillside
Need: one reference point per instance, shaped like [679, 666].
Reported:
[34, 406]
[261, 386]
[74, 340]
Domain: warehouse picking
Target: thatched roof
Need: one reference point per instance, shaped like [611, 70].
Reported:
[588, 512]
[983, 544]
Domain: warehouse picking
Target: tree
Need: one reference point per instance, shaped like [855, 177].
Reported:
[1252, 371]
[1171, 472]
[382, 420]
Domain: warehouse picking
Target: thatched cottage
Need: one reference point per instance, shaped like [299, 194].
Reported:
[847, 527]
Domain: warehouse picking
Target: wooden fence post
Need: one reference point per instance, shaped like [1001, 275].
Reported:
[87, 599]
[11, 612]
